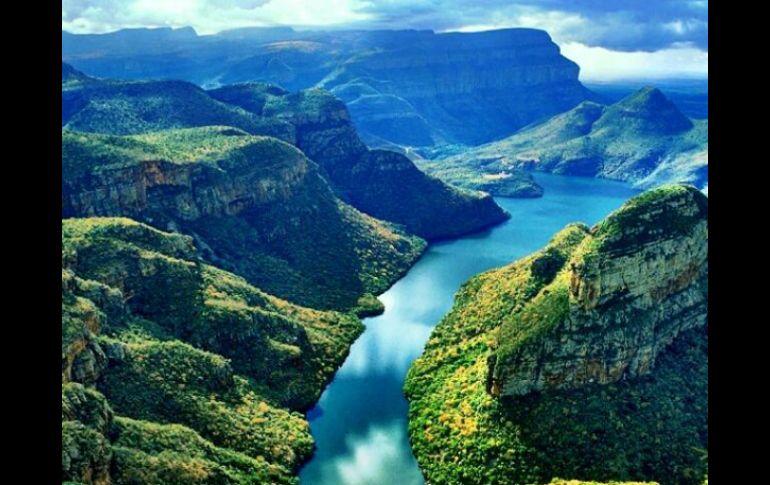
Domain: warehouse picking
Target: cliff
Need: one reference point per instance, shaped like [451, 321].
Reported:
[314, 121]
[255, 206]
[465, 87]
[383, 184]
[642, 139]
[586, 359]
[174, 371]
[406, 87]
[614, 301]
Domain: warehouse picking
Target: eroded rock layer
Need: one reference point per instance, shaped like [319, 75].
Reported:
[634, 283]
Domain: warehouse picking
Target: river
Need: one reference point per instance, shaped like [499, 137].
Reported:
[360, 424]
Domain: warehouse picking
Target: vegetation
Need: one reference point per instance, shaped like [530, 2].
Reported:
[134, 107]
[200, 374]
[617, 230]
[302, 244]
[652, 427]
[384, 184]
[642, 138]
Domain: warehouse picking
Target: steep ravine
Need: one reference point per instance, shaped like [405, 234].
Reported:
[360, 423]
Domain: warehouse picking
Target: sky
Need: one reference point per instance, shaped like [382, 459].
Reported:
[609, 39]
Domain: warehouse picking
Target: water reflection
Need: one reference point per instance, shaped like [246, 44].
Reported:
[359, 423]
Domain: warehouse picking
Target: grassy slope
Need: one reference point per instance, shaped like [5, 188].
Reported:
[206, 366]
[133, 107]
[651, 428]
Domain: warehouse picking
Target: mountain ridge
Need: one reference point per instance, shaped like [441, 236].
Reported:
[315, 121]
[642, 139]
[415, 87]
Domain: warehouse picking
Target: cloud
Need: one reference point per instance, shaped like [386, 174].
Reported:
[377, 456]
[608, 39]
[206, 16]
[600, 64]
[627, 25]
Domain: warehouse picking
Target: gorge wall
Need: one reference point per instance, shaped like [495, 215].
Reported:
[255, 205]
[588, 358]
[314, 121]
[627, 290]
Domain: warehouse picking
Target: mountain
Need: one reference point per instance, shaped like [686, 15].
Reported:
[313, 120]
[174, 371]
[403, 86]
[255, 206]
[384, 184]
[586, 359]
[643, 139]
[690, 95]
[129, 108]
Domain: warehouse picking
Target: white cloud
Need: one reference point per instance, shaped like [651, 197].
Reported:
[206, 16]
[600, 64]
[377, 456]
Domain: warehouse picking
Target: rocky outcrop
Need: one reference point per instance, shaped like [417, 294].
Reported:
[407, 87]
[588, 358]
[255, 206]
[633, 284]
[384, 184]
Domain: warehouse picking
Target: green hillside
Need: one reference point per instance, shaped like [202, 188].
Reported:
[642, 139]
[480, 410]
[255, 206]
[174, 371]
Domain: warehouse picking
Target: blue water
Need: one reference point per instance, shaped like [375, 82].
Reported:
[359, 424]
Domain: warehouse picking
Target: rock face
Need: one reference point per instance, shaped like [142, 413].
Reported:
[635, 282]
[314, 121]
[643, 139]
[255, 205]
[384, 184]
[470, 88]
[406, 87]
[588, 358]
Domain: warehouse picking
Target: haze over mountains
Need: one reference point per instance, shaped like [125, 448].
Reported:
[441, 92]
[643, 138]
[404, 87]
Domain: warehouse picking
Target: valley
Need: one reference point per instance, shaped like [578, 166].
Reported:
[360, 422]
[322, 257]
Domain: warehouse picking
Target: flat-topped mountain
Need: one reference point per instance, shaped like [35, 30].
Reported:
[586, 359]
[406, 87]
[314, 121]
[643, 139]
[174, 371]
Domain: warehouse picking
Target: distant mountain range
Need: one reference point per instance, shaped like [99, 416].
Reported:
[643, 139]
[405, 87]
